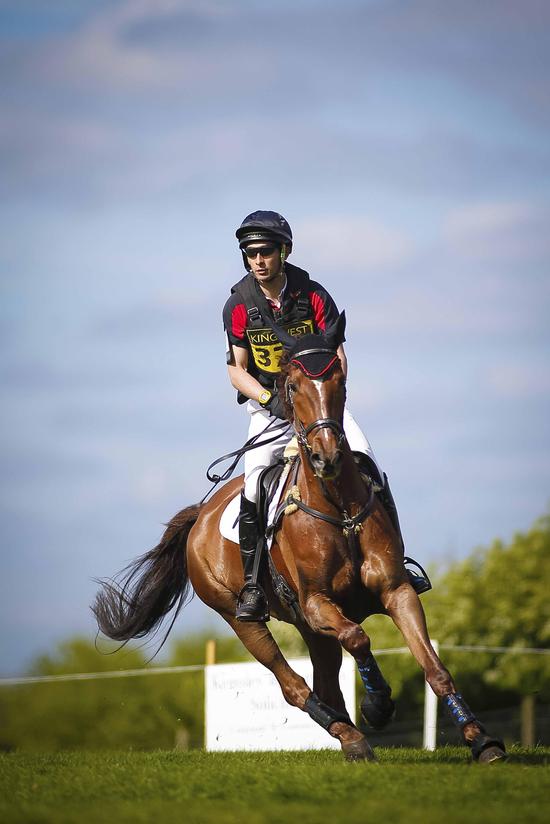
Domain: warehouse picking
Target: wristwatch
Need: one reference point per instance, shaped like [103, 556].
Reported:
[264, 397]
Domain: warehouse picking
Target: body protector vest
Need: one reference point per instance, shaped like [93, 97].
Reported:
[295, 316]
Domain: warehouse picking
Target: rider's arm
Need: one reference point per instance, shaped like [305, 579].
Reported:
[239, 376]
[343, 359]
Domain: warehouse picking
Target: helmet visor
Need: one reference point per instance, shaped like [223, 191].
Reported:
[259, 236]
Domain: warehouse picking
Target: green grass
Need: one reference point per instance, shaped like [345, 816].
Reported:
[248, 788]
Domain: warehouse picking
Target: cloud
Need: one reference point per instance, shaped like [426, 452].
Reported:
[342, 241]
[168, 313]
[441, 312]
[147, 98]
[500, 230]
[520, 380]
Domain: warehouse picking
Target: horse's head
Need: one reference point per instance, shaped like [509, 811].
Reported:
[314, 387]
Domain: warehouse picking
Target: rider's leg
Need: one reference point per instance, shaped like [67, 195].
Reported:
[419, 580]
[358, 443]
[360, 446]
[252, 603]
[263, 455]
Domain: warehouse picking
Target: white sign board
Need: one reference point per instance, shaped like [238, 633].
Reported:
[245, 709]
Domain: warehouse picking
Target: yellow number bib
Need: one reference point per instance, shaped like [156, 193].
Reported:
[265, 345]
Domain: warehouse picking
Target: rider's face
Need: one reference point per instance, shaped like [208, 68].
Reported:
[265, 267]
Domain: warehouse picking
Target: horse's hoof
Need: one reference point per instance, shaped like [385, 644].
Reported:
[486, 750]
[377, 709]
[492, 755]
[358, 751]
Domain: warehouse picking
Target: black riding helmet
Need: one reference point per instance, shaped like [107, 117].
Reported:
[260, 226]
[264, 226]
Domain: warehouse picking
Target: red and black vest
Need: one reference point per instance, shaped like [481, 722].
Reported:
[295, 315]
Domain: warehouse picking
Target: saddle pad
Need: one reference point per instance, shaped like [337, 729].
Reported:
[229, 525]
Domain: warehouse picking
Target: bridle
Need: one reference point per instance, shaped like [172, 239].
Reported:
[322, 423]
[302, 431]
[350, 524]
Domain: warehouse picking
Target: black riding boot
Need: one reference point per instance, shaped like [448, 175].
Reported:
[252, 603]
[419, 580]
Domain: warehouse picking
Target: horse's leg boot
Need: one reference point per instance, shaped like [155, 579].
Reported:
[252, 603]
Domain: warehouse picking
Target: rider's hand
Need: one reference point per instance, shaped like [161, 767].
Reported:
[277, 408]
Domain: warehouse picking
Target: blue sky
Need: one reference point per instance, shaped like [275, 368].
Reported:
[408, 145]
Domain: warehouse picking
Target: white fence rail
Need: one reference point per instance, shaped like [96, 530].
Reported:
[132, 673]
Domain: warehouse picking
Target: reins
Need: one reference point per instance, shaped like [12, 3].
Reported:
[251, 443]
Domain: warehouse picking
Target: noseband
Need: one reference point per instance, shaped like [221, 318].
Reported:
[321, 423]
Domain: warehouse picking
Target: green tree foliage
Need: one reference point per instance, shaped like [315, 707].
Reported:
[499, 597]
[138, 712]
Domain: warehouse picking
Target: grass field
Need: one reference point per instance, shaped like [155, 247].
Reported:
[248, 788]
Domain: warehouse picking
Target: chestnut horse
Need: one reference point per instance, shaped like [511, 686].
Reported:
[338, 553]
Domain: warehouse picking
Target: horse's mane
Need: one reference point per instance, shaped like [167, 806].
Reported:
[280, 383]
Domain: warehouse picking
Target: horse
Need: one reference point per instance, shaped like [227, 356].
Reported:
[338, 553]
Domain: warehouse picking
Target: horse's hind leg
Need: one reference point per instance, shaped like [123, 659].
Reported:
[404, 607]
[259, 641]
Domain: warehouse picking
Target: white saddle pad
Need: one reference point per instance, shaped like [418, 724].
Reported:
[229, 522]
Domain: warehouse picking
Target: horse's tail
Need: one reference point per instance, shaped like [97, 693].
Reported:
[135, 603]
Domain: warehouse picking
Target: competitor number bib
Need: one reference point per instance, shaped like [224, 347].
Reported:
[267, 349]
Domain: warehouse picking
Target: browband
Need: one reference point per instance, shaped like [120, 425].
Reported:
[311, 374]
[313, 352]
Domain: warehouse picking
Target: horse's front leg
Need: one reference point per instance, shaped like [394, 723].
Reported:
[259, 641]
[325, 617]
[403, 606]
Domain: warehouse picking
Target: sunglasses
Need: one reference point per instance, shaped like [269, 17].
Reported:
[263, 251]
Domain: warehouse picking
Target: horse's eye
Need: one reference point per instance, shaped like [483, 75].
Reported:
[291, 387]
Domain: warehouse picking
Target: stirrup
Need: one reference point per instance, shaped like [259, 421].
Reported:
[419, 582]
[257, 608]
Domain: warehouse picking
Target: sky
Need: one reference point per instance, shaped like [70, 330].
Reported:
[407, 143]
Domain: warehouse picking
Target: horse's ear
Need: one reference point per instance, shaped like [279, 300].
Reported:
[335, 334]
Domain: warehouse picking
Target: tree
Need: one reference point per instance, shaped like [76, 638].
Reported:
[499, 597]
[143, 712]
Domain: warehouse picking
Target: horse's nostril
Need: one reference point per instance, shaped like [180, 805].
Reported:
[315, 458]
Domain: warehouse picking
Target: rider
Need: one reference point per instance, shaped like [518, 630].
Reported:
[288, 296]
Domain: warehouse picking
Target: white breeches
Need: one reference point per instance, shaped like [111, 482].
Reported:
[262, 456]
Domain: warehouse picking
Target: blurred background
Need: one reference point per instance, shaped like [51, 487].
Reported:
[406, 143]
